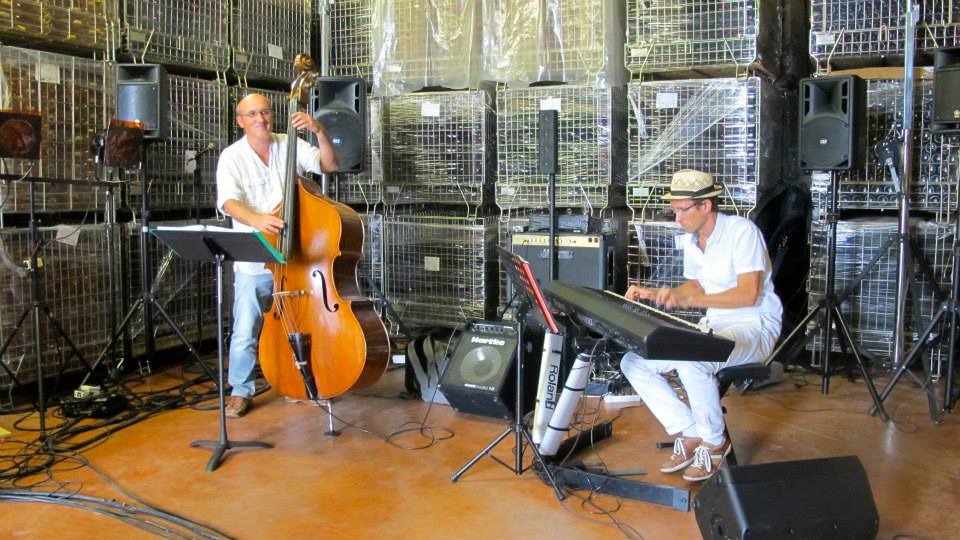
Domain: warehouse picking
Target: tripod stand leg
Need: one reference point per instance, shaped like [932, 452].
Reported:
[482, 453]
[183, 339]
[867, 379]
[543, 464]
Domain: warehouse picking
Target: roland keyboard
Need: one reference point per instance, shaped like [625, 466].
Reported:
[649, 332]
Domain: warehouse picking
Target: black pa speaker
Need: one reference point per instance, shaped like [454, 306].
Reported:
[833, 133]
[339, 103]
[547, 141]
[142, 95]
[481, 375]
[814, 499]
[946, 91]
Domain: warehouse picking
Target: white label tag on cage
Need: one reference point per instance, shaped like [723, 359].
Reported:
[394, 68]
[637, 52]
[393, 189]
[48, 73]
[430, 109]
[550, 104]
[667, 100]
[137, 36]
[641, 191]
[824, 38]
[68, 235]
[275, 51]
[190, 161]
[240, 58]
[431, 264]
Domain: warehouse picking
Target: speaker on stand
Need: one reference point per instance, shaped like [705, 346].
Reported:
[833, 133]
[339, 104]
[142, 96]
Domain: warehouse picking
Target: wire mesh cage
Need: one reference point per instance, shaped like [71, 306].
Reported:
[655, 259]
[591, 145]
[571, 41]
[934, 183]
[74, 283]
[279, 104]
[419, 44]
[371, 265]
[711, 36]
[870, 309]
[714, 125]
[185, 289]
[196, 121]
[75, 96]
[190, 33]
[440, 148]
[440, 270]
[845, 34]
[267, 36]
[350, 49]
[87, 25]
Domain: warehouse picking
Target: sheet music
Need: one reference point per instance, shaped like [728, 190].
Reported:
[656, 312]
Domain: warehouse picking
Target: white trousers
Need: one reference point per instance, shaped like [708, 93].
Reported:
[703, 417]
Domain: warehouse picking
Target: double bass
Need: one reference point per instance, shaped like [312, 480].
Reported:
[322, 337]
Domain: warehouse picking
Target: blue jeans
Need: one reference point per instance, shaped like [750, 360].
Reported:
[252, 297]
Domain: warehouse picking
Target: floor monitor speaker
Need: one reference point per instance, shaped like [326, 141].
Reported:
[817, 499]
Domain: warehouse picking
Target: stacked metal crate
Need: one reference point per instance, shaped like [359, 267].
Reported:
[185, 289]
[871, 307]
[591, 147]
[191, 33]
[703, 36]
[371, 267]
[421, 44]
[655, 258]
[76, 97]
[74, 284]
[267, 36]
[350, 52]
[716, 125]
[75, 24]
[196, 120]
[844, 33]
[441, 270]
[571, 41]
[934, 180]
[440, 149]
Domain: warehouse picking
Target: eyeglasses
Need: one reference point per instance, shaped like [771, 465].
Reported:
[267, 113]
[687, 209]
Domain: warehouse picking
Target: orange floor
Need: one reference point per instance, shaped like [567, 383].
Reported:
[359, 486]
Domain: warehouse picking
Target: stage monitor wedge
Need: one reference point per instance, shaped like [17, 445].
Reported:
[833, 126]
[339, 103]
[143, 96]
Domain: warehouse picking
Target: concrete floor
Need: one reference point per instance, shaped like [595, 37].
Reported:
[358, 485]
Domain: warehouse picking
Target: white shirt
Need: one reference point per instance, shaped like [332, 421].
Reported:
[734, 247]
[242, 176]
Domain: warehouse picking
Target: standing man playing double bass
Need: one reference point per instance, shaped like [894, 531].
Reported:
[249, 190]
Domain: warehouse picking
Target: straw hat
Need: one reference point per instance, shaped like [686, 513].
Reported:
[692, 184]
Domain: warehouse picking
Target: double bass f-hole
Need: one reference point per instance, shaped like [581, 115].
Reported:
[326, 295]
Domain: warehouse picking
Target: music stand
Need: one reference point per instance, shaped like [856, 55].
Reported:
[203, 243]
[520, 273]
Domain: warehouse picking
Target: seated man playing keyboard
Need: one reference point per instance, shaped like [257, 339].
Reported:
[727, 269]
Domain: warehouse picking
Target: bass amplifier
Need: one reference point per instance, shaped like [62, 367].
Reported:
[582, 259]
[480, 377]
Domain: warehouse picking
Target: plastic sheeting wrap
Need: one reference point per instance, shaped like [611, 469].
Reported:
[870, 309]
[76, 97]
[933, 186]
[591, 141]
[571, 41]
[716, 36]
[421, 43]
[350, 52]
[863, 32]
[79, 24]
[441, 271]
[440, 148]
[714, 125]
[75, 285]
[192, 33]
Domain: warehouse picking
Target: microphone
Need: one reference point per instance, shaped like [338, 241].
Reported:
[210, 146]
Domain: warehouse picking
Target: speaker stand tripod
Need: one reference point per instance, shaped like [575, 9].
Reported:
[521, 435]
[830, 306]
[37, 308]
